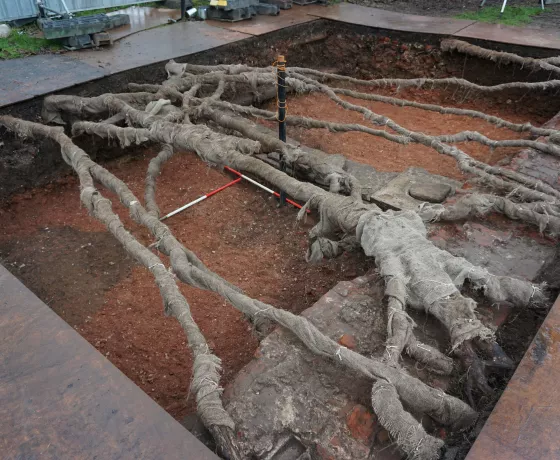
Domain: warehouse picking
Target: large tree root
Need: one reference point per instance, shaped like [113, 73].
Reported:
[206, 366]
[414, 393]
[541, 214]
[467, 327]
[187, 112]
[539, 191]
[461, 46]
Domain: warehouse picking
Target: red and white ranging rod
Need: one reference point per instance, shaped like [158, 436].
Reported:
[223, 187]
[276, 194]
[202, 198]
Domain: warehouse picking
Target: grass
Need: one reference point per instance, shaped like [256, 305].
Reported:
[513, 15]
[21, 43]
[115, 8]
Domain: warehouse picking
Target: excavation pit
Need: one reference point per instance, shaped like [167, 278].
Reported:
[75, 266]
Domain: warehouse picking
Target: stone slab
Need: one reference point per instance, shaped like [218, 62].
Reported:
[60, 398]
[287, 396]
[370, 178]
[158, 45]
[395, 195]
[26, 78]
[373, 17]
[525, 423]
[541, 38]
[499, 250]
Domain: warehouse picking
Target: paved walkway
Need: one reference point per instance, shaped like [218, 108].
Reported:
[157, 45]
[26, 78]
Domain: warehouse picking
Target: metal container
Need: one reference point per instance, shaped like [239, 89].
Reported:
[202, 12]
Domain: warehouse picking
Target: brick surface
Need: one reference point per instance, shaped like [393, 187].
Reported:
[348, 341]
[361, 422]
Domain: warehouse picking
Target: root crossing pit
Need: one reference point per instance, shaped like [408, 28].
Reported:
[70, 261]
[72, 264]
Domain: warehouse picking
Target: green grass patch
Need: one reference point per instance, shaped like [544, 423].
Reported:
[197, 3]
[21, 42]
[116, 8]
[513, 15]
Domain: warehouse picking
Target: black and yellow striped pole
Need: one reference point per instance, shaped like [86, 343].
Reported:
[281, 73]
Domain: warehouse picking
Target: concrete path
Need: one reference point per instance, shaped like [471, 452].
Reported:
[157, 45]
[142, 18]
[382, 19]
[26, 78]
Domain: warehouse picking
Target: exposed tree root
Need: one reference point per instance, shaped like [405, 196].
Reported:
[542, 214]
[206, 365]
[464, 161]
[469, 164]
[497, 121]
[428, 82]
[461, 46]
[187, 112]
[417, 395]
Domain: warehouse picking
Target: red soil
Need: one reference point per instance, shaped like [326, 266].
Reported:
[385, 155]
[239, 233]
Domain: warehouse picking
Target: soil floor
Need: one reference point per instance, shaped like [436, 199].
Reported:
[68, 259]
[385, 155]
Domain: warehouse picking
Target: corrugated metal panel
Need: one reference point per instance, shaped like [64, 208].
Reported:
[82, 5]
[10, 10]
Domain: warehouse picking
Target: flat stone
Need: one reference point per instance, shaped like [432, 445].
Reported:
[397, 193]
[288, 391]
[432, 193]
[370, 178]
[499, 250]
